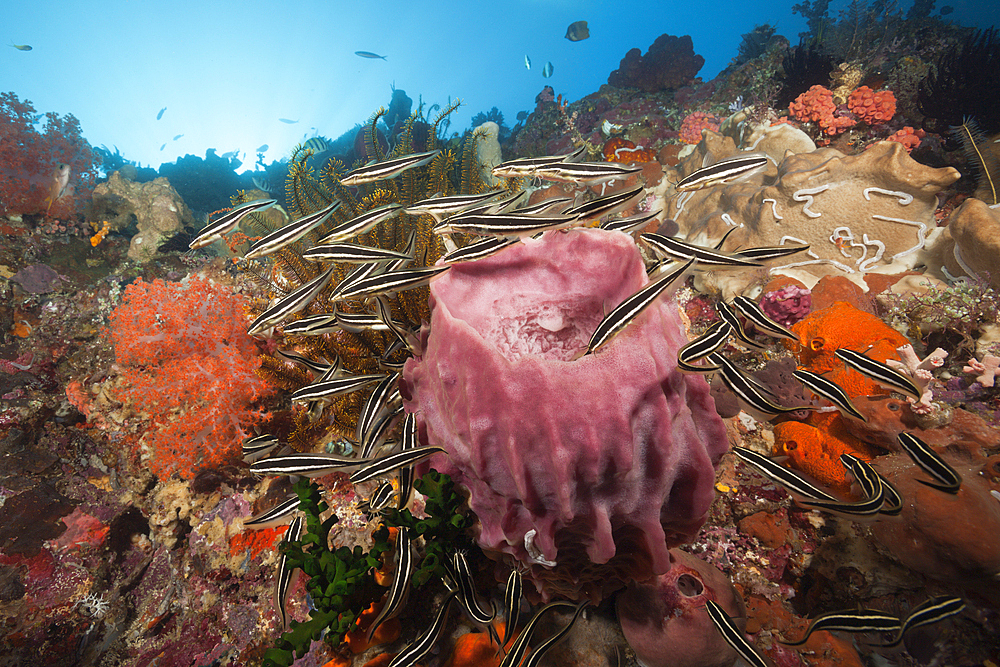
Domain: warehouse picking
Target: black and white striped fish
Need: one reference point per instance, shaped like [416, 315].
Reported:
[631, 224]
[770, 252]
[307, 465]
[387, 464]
[860, 620]
[606, 205]
[520, 647]
[259, 446]
[511, 605]
[360, 224]
[290, 304]
[387, 169]
[467, 594]
[214, 231]
[526, 167]
[400, 581]
[751, 310]
[376, 401]
[947, 479]
[507, 225]
[290, 233]
[440, 208]
[723, 171]
[420, 647]
[350, 253]
[331, 389]
[872, 484]
[779, 474]
[711, 341]
[313, 325]
[630, 308]
[733, 635]
[276, 516]
[377, 501]
[682, 250]
[931, 611]
[536, 655]
[478, 249]
[584, 173]
[284, 580]
[831, 391]
[880, 373]
[372, 439]
[751, 395]
[390, 282]
[728, 314]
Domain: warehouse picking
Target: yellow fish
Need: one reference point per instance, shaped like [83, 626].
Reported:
[21, 47]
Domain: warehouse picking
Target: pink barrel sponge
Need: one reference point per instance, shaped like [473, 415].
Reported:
[585, 470]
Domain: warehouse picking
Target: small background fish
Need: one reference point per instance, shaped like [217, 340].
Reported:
[21, 47]
[287, 121]
[262, 148]
[577, 30]
[527, 62]
[160, 115]
[368, 54]
[547, 70]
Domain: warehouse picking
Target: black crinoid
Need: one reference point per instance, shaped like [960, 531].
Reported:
[804, 66]
[964, 84]
[455, 169]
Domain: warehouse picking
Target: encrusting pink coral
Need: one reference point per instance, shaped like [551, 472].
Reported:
[586, 470]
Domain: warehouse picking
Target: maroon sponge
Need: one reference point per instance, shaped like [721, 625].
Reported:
[585, 470]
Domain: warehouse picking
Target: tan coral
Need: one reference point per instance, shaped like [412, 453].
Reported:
[859, 213]
[971, 244]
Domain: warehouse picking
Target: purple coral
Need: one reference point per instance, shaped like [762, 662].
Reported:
[587, 469]
[787, 305]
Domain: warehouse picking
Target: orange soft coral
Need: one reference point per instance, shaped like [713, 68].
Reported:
[909, 137]
[618, 149]
[187, 364]
[694, 123]
[816, 106]
[871, 106]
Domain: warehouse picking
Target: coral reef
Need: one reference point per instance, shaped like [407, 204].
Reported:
[571, 504]
[694, 123]
[971, 242]
[48, 173]
[156, 209]
[816, 105]
[187, 365]
[669, 64]
[858, 213]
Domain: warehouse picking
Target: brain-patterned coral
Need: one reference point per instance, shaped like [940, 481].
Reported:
[858, 213]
